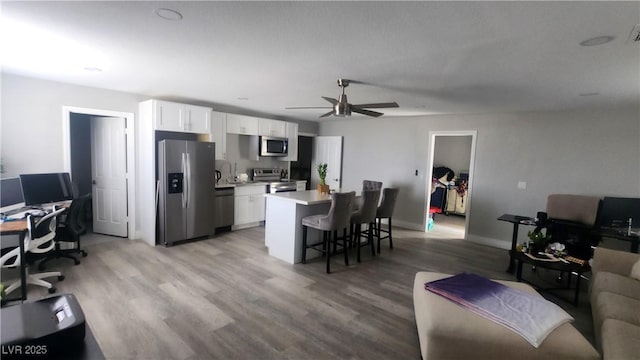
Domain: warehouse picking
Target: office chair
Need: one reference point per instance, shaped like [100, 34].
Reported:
[38, 240]
[69, 231]
[571, 220]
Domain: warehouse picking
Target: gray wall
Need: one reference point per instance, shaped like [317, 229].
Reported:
[31, 139]
[453, 152]
[593, 152]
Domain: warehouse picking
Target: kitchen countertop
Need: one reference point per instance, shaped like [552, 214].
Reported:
[309, 197]
[240, 184]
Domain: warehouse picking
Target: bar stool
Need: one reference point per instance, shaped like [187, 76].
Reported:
[338, 218]
[385, 211]
[366, 214]
[371, 185]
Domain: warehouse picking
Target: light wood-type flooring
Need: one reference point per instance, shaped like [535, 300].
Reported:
[225, 298]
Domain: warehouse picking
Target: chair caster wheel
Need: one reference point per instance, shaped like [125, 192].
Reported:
[76, 262]
[52, 290]
[84, 254]
[61, 277]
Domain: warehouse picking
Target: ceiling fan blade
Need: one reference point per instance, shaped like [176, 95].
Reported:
[327, 114]
[377, 105]
[307, 107]
[332, 101]
[366, 112]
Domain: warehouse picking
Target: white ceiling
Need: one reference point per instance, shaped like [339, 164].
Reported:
[430, 57]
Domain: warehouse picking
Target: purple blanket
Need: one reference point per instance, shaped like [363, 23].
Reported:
[532, 317]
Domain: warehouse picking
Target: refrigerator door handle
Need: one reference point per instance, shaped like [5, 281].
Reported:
[188, 179]
[185, 181]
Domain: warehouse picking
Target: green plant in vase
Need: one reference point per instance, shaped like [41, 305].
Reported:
[539, 240]
[322, 173]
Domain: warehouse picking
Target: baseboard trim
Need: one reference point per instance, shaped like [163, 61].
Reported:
[406, 225]
[500, 244]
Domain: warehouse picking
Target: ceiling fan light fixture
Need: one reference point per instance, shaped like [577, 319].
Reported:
[598, 40]
[168, 14]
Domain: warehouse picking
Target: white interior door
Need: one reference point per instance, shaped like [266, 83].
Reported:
[327, 149]
[109, 175]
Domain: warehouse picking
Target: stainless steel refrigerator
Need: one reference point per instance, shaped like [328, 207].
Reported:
[186, 174]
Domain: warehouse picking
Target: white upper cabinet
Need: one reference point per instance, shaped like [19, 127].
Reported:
[170, 116]
[292, 137]
[241, 124]
[198, 119]
[219, 134]
[273, 128]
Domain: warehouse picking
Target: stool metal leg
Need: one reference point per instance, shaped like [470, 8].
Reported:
[390, 237]
[370, 240]
[379, 220]
[327, 240]
[345, 248]
[304, 244]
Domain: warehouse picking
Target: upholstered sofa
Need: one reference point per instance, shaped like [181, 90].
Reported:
[615, 304]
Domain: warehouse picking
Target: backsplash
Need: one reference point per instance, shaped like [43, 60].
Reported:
[238, 156]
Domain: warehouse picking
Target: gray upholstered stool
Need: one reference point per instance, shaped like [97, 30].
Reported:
[385, 211]
[366, 214]
[338, 218]
[371, 185]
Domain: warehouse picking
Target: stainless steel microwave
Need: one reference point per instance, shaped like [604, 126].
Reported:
[273, 146]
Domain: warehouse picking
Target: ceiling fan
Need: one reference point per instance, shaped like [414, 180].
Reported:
[343, 108]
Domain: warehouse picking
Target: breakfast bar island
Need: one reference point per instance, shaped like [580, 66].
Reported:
[283, 222]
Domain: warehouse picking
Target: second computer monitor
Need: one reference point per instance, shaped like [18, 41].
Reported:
[45, 188]
[616, 212]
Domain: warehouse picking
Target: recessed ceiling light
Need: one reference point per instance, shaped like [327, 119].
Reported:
[598, 40]
[590, 94]
[92, 69]
[168, 14]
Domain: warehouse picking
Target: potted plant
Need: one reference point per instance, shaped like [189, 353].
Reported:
[322, 173]
[539, 240]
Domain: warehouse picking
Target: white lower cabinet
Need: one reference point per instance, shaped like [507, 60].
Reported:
[249, 203]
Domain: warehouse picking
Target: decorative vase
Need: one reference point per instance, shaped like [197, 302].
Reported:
[323, 189]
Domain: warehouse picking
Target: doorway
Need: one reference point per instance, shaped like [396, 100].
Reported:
[449, 186]
[99, 154]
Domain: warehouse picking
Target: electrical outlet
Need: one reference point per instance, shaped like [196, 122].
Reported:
[522, 185]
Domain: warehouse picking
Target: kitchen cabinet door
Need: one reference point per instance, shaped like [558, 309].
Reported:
[219, 134]
[241, 124]
[198, 119]
[243, 210]
[273, 128]
[169, 116]
[292, 137]
[259, 204]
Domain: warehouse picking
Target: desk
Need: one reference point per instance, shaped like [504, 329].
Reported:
[19, 228]
[515, 220]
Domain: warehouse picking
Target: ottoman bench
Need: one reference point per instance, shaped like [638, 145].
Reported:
[448, 331]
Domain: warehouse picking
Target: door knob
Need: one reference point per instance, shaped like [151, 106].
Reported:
[336, 179]
[93, 182]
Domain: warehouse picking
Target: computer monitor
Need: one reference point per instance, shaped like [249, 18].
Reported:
[10, 192]
[45, 188]
[616, 211]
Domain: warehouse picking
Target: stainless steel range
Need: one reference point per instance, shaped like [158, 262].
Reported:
[274, 180]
